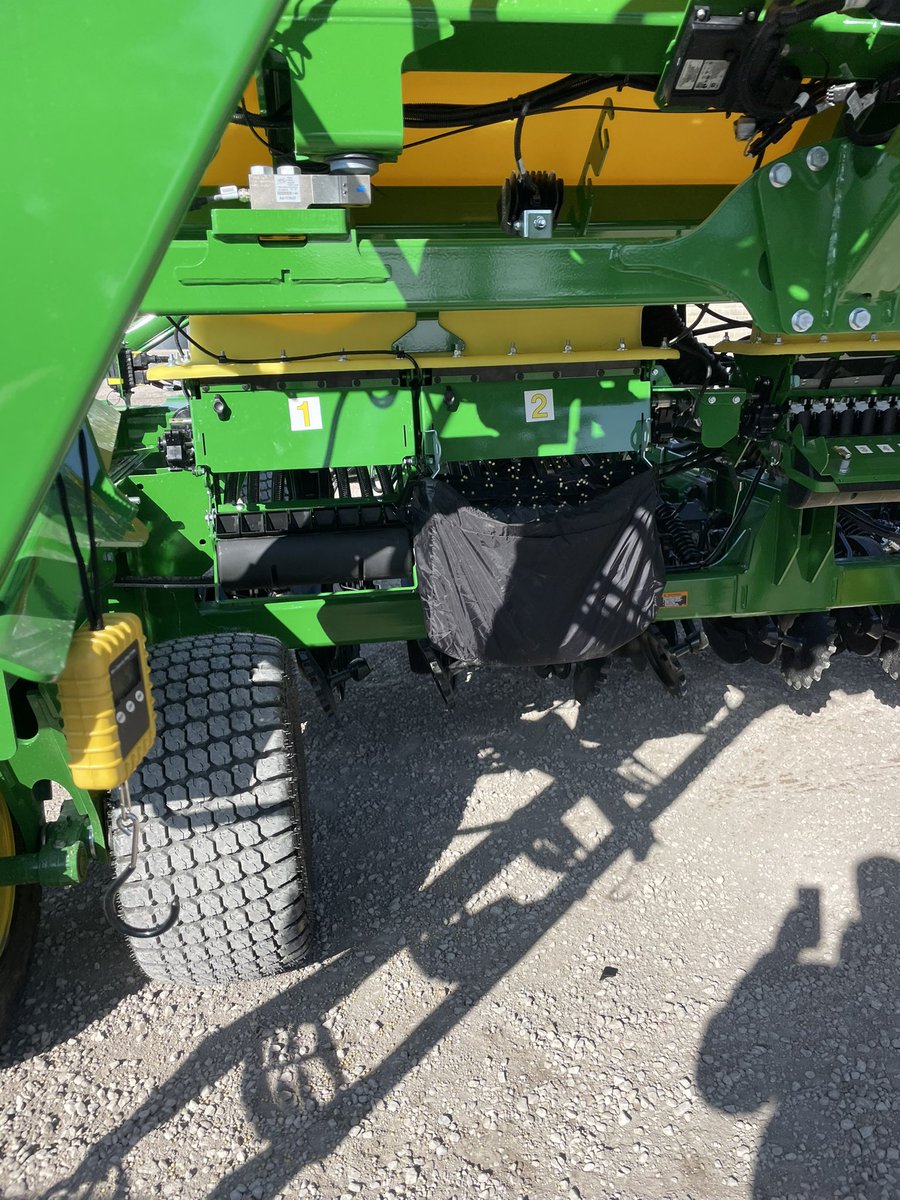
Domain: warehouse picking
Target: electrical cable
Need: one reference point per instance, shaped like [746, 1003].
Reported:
[91, 530]
[288, 358]
[517, 139]
[543, 99]
[616, 108]
[87, 595]
[722, 546]
[243, 116]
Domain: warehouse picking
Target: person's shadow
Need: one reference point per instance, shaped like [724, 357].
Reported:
[821, 1044]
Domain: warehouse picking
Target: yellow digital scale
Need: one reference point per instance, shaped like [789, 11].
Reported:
[107, 707]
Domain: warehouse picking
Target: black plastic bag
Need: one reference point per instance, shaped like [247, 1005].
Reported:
[527, 587]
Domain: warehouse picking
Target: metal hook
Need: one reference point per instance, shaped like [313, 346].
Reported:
[129, 819]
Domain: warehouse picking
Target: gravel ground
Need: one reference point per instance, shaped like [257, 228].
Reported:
[642, 950]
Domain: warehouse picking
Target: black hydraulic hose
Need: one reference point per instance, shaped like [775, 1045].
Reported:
[715, 556]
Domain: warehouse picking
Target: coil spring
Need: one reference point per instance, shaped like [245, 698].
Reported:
[676, 534]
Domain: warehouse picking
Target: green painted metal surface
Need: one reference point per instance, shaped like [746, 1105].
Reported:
[303, 426]
[537, 417]
[41, 757]
[62, 858]
[748, 250]
[80, 238]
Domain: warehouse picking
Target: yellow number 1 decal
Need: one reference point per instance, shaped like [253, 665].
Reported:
[305, 413]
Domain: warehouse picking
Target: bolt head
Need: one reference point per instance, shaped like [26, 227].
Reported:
[817, 158]
[710, 399]
[802, 320]
[540, 222]
[780, 174]
[702, 14]
[860, 318]
[259, 169]
[735, 399]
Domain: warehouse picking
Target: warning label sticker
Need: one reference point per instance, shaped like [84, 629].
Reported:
[702, 75]
[674, 600]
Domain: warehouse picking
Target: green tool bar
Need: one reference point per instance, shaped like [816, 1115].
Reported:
[747, 250]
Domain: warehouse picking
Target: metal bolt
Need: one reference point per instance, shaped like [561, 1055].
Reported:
[540, 222]
[512, 348]
[567, 348]
[735, 399]
[288, 169]
[817, 158]
[780, 174]
[860, 318]
[710, 399]
[622, 345]
[802, 320]
[457, 350]
[778, 339]
[702, 14]
[823, 337]
[258, 169]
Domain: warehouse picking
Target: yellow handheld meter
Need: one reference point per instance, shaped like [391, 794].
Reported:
[107, 708]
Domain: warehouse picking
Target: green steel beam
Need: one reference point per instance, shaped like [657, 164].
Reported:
[111, 114]
[775, 249]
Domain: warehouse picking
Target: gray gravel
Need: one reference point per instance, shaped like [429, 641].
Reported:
[614, 953]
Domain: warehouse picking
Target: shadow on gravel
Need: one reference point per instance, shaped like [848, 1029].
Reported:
[389, 789]
[822, 1044]
[80, 971]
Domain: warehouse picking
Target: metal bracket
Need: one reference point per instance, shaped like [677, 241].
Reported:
[535, 223]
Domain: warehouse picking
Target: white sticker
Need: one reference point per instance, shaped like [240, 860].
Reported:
[287, 189]
[688, 75]
[863, 449]
[858, 104]
[885, 448]
[702, 75]
[712, 75]
[306, 413]
[539, 405]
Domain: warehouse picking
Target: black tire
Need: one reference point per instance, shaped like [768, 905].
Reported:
[225, 823]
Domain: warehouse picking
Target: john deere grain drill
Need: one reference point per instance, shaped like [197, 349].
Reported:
[525, 333]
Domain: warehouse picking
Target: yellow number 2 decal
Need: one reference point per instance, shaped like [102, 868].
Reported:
[539, 405]
[306, 413]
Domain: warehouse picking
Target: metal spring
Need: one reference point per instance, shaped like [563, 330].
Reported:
[675, 533]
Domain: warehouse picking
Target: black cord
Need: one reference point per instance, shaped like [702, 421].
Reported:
[289, 358]
[543, 99]
[92, 536]
[722, 546]
[436, 137]
[517, 139]
[243, 116]
[92, 613]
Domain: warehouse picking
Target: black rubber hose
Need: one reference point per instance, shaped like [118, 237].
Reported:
[696, 362]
